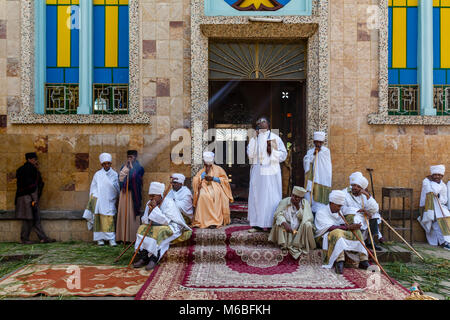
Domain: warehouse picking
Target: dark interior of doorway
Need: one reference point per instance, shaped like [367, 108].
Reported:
[238, 104]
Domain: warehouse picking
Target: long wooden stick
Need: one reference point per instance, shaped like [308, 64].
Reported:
[125, 250]
[368, 251]
[149, 225]
[140, 244]
[370, 231]
[126, 211]
[406, 242]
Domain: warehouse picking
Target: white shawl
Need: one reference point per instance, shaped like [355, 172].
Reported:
[105, 188]
[257, 152]
[325, 219]
[183, 200]
[323, 172]
[429, 216]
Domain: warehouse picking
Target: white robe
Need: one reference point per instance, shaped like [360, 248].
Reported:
[323, 172]
[428, 220]
[355, 203]
[448, 195]
[169, 215]
[105, 188]
[183, 200]
[265, 192]
[324, 220]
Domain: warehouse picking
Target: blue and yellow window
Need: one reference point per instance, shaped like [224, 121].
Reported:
[403, 37]
[110, 43]
[441, 56]
[62, 56]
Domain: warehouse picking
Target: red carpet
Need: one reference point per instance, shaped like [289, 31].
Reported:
[231, 263]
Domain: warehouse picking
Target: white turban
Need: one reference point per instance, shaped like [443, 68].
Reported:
[178, 177]
[319, 136]
[156, 188]
[105, 157]
[440, 169]
[337, 197]
[208, 157]
[359, 179]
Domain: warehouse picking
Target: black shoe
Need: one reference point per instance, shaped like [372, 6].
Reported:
[339, 267]
[363, 265]
[378, 248]
[140, 263]
[151, 265]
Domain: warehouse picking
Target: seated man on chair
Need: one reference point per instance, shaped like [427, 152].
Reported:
[293, 225]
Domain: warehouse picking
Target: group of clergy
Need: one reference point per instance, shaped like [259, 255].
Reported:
[313, 216]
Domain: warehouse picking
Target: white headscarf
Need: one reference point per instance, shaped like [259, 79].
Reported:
[178, 177]
[156, 188]
[319, 136]
[337, 197]
[105, 157]
[439, 169]
[359, 179]
[208, 157]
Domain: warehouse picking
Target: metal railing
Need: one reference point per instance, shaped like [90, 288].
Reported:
[441, 96]
[61, 98]
[110, 99]
[404, 100]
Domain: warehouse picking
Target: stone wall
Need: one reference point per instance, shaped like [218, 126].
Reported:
[399, 154]
[68, 154]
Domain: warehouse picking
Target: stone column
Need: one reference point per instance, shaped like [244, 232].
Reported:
[425, 58]
[86, 57]
[40, 63]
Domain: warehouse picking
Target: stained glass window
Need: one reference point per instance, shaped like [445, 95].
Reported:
[111, 56]
[62, 56]
[403, 37]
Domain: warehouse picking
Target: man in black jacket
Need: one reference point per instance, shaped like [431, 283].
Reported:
[29, 190]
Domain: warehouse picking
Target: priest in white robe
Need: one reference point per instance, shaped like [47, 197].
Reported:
[166, 225]
[318, 172]
[265, 151]
[337, 237]
[433, 199]
[359, 202]
[182, 196]
[102, 205]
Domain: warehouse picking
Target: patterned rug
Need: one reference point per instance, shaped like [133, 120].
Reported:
[231, 263]
[239, 207]
[73, 280]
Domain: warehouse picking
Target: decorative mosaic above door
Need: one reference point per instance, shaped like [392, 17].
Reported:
[257, 7]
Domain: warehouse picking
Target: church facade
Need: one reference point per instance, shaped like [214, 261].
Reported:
[82, 77]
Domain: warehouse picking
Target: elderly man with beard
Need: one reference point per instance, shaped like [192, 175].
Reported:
[337, 237]
[182, 196]
[360, 204]
[293, 226]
